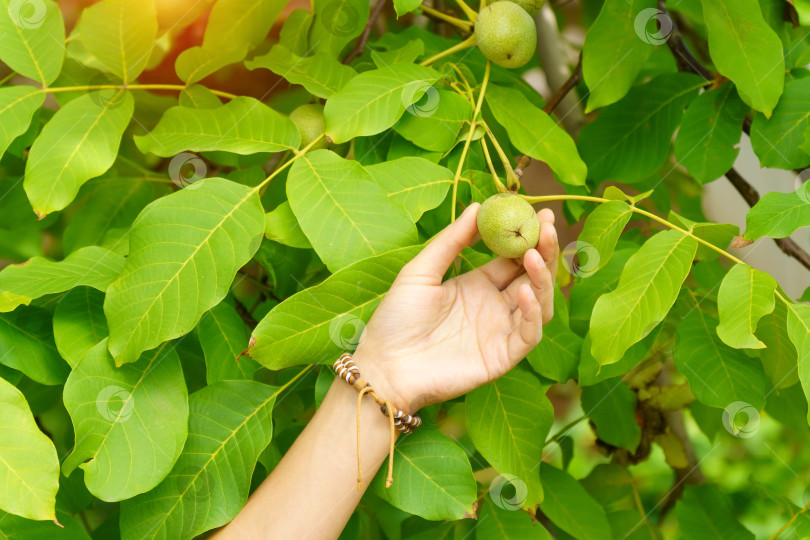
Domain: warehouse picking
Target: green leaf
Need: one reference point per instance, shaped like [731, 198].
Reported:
[432, 477]
[709, 133]
[718, 375]
[591, 372]
[185, 249]
[321, 74]
[374, 100]
[704, 513]
[407, 53]
[648, 287]
[223, 336]
[779, 358]
[616, 47]
[569, 506]
[12, 526]
[434, 122]
[282, 226]
[406, 6]
[120, 34]
[32, 38]
[122, 416]
[306, 328]
[17, 106]
[497, 523]
[630, 139]
[28, 345]
[29, 466]
[244, 126]
[557, 355]
[345, 215]
[508, 421]
[234, 28]
[294, 33]
[79, 323]
[611, 405]
[230, 423]
[799, 331]
[599, 235]
[199, 97]
[717, 234]
[92, 266]
[534, 133]
[114, 204]
[779, 215]
[80, 142]
[10, 301]
[746, 50]
[336, 23]
[745, 296]
[414, 183]
[780, 141]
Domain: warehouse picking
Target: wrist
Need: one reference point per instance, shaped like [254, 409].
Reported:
[385, 377]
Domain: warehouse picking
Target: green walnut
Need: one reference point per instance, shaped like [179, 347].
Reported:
[506, 34]
[531, 6]
[508, 225]
[310, 122]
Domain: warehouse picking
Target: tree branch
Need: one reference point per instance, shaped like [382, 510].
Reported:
[687, 62]
[360, 46]
[568, 85]
[245, 314]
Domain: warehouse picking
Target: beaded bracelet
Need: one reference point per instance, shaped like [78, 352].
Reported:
[347, 370]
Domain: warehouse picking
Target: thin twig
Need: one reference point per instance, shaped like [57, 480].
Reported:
[570, 84]
[360, 46]
[245, 314]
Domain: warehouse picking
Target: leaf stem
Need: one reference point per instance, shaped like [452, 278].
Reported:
[565, 429]
[7, 78]
[512, 182]
[637, 210]
[468, 11]
[298, 154]
[466, 44]
[790, 521]
[498, 184]
[175, 87]
[455, 21]
[467, 142]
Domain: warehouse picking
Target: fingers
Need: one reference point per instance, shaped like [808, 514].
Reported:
[541, 281]
[549, 247]
[530, 327]
[433, 261]
[538, 279]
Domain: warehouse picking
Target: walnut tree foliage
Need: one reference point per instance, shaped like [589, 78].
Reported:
[182, 263]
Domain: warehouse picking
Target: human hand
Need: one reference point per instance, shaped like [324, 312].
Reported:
[430, 341]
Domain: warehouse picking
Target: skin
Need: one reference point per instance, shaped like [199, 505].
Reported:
[427, 342]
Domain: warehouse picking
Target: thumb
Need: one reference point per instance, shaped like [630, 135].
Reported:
[433, 261]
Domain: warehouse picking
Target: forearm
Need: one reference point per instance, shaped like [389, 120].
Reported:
[313, 491]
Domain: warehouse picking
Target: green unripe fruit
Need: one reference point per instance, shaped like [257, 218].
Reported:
[508, 225]
[531, 6]
[506, 34]
[310, 122]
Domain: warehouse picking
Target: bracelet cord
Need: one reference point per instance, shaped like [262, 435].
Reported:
[347, 370]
